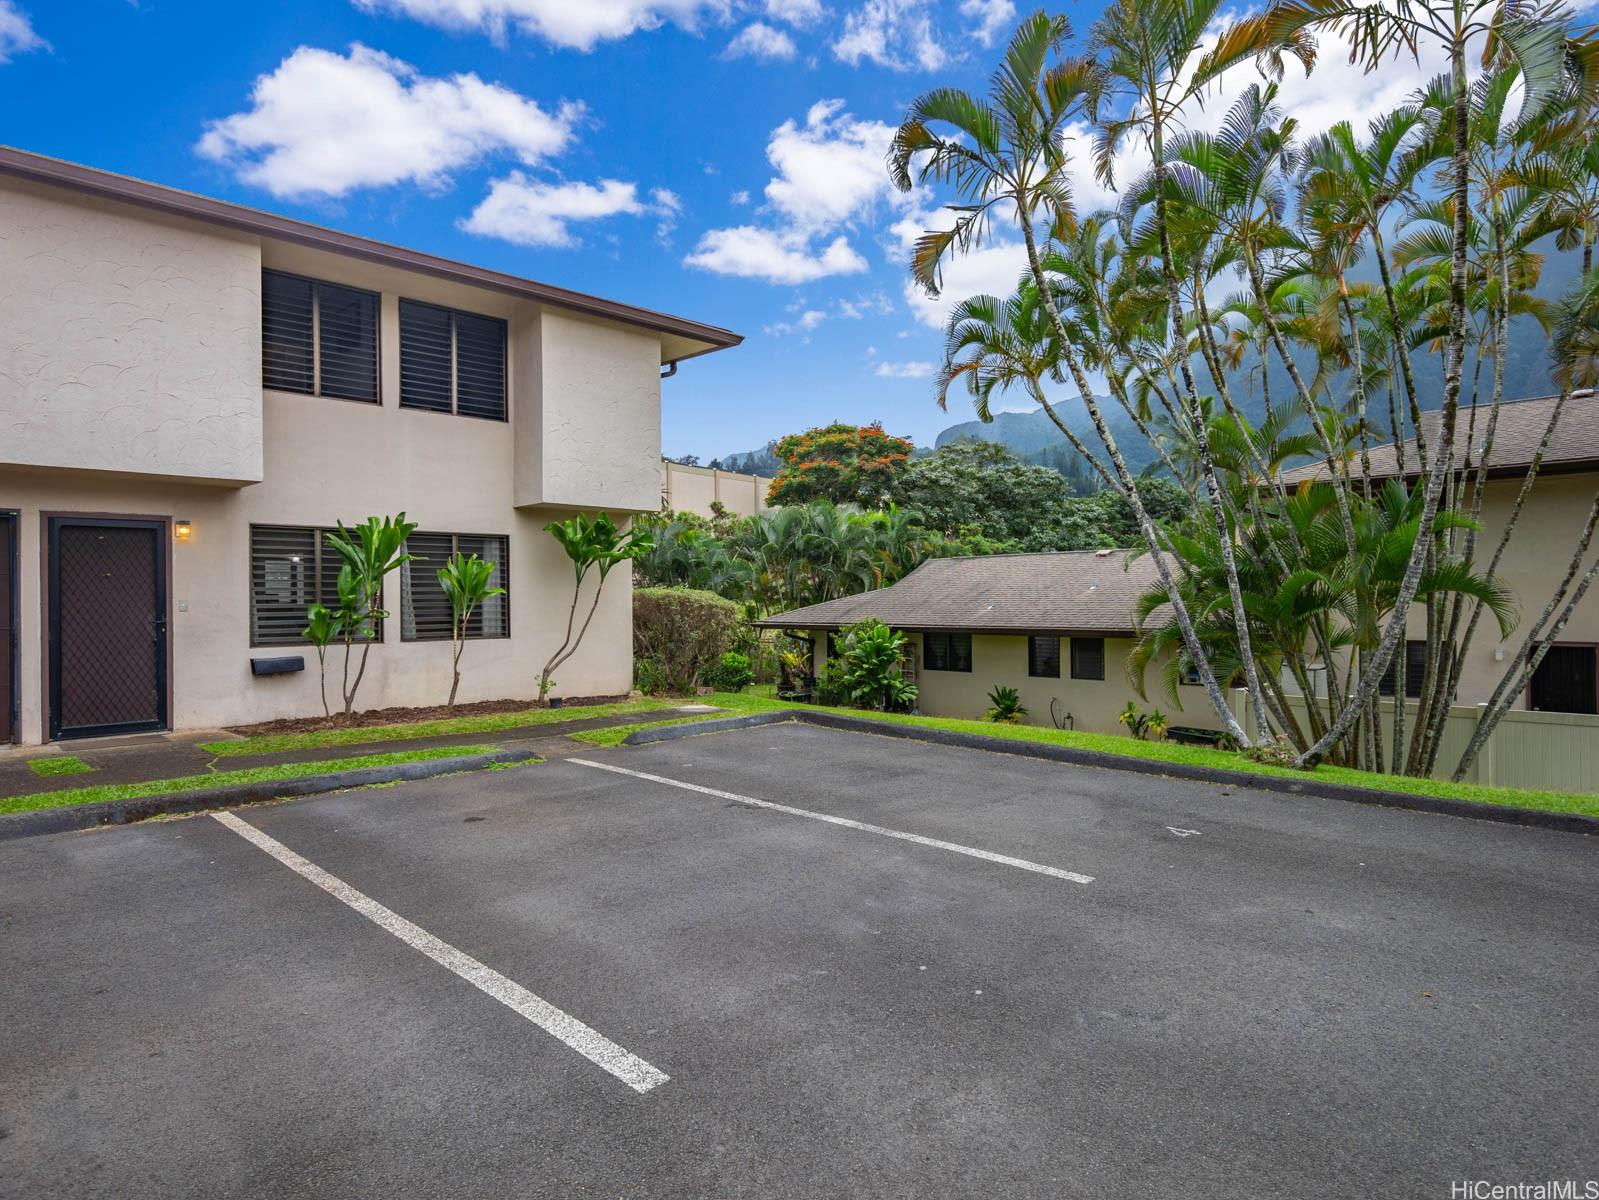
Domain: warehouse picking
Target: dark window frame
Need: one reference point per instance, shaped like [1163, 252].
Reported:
[1413, 675]
[454, 315]
[1033, 663]
[1079, 646]
[321, 553]
[1527, 696]
[317, 387]
[947, 659]
[504, 562]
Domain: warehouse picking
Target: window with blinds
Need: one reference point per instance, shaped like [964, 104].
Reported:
[1415, 669]
[1088, 658]
[451, 361]
[1043, 657]
[291, 568]
[947, 651]
[425, 614]
[320, 339]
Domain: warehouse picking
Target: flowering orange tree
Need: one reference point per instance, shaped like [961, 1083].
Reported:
[847, 464]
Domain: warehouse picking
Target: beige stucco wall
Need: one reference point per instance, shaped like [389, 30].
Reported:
[595, 415]
[692, 489]
[128, 342]
[1533, 565]
[1002, 659]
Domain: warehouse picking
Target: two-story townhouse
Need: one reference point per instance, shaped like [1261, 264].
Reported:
[192, 391]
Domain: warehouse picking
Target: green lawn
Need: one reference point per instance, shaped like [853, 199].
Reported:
[277, 743]
[747, 702]
[58, 764]
[191, 783]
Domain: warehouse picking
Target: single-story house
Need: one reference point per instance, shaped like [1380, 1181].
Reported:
[194, 392]
[1057, 627]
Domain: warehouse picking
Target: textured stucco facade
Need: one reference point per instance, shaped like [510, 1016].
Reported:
[130, 343]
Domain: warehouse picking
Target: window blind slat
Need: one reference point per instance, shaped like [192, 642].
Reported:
[348, 327]
[1088, 658]
[426, 613]
[425, 358]
[286, 343]
[1043, 657]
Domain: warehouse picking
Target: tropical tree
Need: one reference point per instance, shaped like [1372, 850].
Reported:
[1005, 155]
[594, 545]
[370, 552]
[467, 582]
[846, 464]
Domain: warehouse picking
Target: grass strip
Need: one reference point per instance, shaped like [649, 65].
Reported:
[1127, 747]
[278, 743]
[192, 783]
[57, 765]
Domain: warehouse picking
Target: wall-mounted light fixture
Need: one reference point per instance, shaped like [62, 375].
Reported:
[183, 530]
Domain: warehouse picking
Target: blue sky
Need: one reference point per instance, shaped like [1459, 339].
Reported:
[720, 159]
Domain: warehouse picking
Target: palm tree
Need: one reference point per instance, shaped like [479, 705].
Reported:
[1532, 36]
[1007, 154]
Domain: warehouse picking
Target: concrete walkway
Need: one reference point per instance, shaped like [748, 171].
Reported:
[140, 757]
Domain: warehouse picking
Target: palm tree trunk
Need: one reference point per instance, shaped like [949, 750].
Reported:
[1454, 356]
[1129, 489]
[1201, 433]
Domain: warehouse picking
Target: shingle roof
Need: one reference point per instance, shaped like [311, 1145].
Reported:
[1086, 592]
[1521, 425]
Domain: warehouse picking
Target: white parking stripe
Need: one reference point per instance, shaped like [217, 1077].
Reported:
[970, 851]
[629, 1068]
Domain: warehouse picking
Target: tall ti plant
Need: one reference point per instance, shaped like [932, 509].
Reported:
[465, 579]
[594, 544]
[371, 551]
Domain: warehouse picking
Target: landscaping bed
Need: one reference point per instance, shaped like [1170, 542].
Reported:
[397, 716]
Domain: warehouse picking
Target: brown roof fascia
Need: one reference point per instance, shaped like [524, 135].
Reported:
[107, 185]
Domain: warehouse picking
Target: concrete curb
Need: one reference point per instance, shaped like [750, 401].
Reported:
[124, 812]
[1535, 818]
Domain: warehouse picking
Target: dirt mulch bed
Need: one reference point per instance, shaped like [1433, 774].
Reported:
[404, 716]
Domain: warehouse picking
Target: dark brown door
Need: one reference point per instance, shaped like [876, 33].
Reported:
[108, 626]
[1566, 681]
[8, 626]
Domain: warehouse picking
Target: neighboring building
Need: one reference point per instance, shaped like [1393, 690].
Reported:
[190, 391]
[1057, 627]
[1567, 681]
[695, 489]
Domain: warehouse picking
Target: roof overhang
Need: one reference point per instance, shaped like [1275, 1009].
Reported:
[682, 338]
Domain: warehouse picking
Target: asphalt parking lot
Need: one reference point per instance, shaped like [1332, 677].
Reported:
[915, 971]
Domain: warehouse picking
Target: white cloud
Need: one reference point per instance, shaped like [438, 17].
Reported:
[574, 24]
[17, 35]
[669, 207]
[891, 33]
[904, 370]
[753, 253]
[531, 213]
[874, 305]
[830, 169]
[993, 18]
[740, 197]
[801, 13]
[325, 124]
[804, 323]
[761, 41]
[830, 176]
